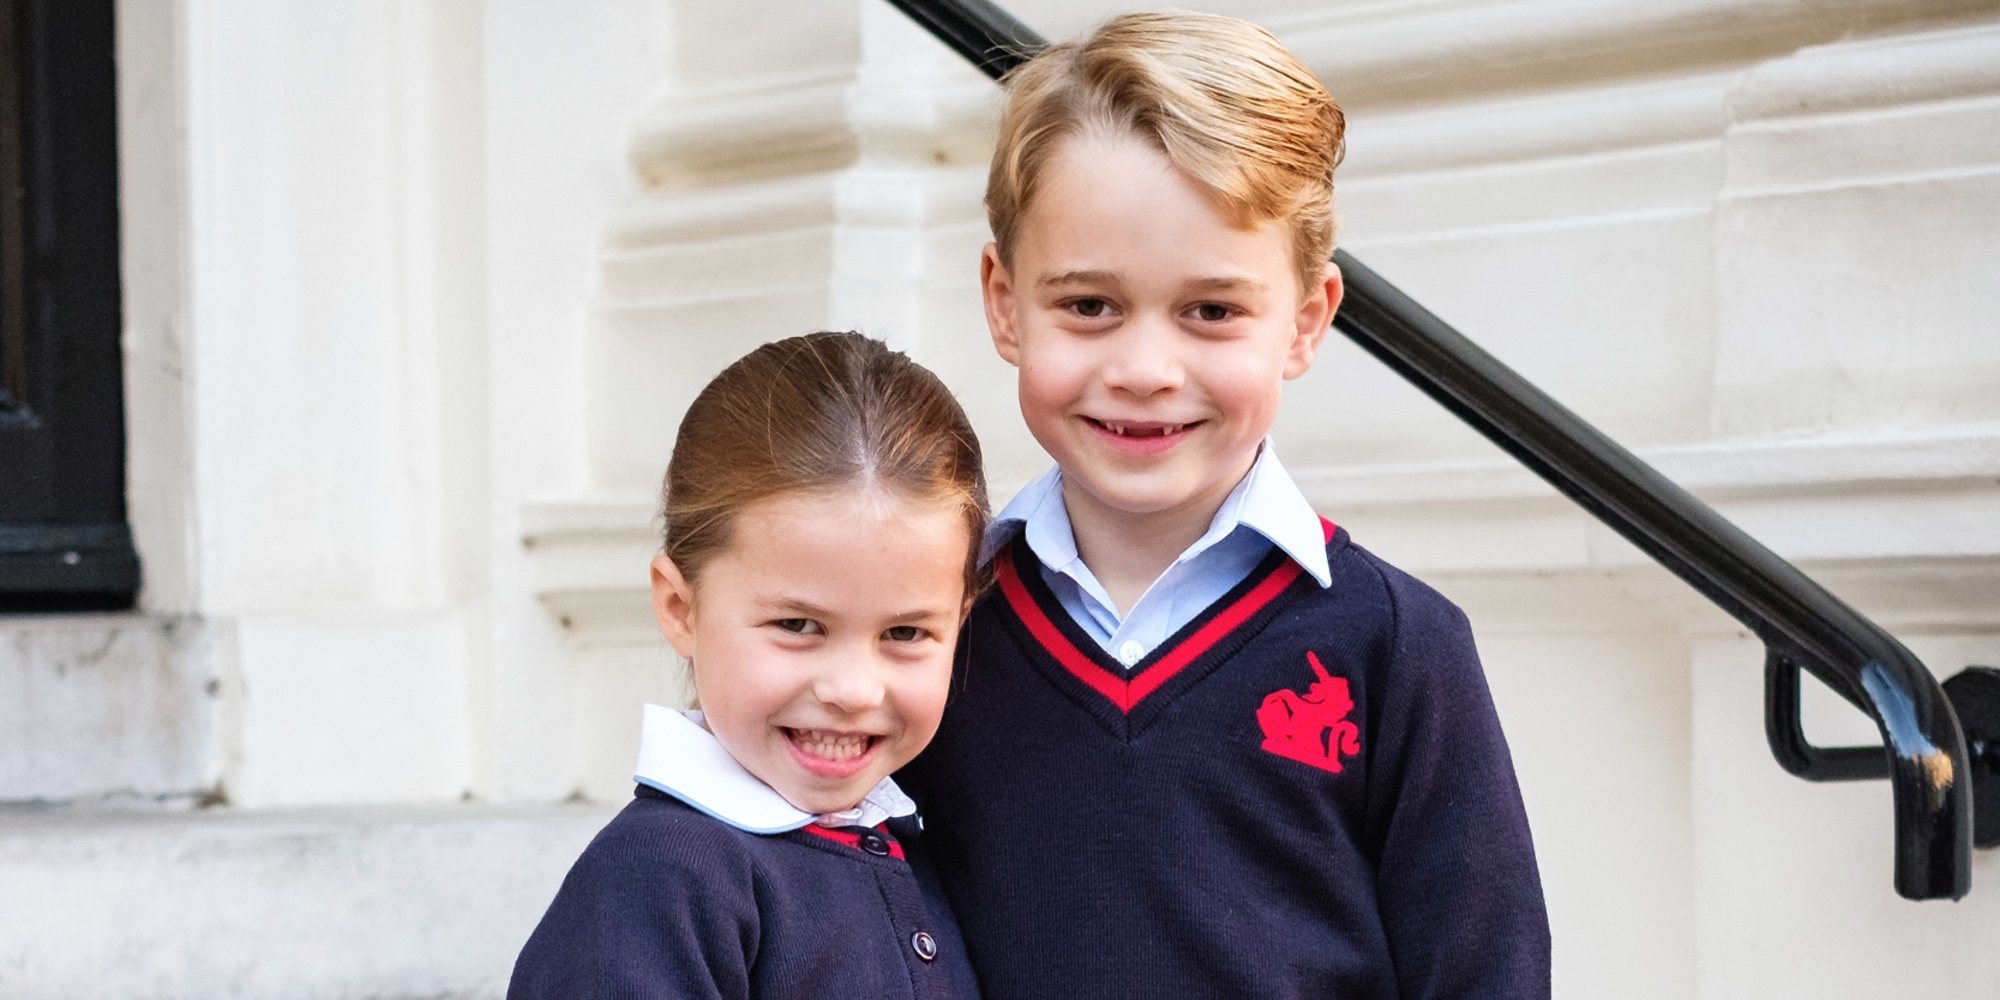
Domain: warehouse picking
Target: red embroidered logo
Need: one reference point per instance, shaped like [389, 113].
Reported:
[1311, 728]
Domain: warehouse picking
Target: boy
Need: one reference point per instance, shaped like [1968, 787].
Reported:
[1202, 745]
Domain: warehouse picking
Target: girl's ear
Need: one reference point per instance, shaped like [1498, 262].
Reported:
[996, 288]
[673, 606]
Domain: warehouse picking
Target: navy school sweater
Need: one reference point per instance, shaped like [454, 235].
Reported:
[667, 902]
[1303, 793]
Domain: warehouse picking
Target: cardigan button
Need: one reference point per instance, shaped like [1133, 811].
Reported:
[875, 844]
[924, 945]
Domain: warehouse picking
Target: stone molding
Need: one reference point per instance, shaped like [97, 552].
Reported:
[799, 120]
[1539, 126]
[1415, 53]
[1873, 73]
[1909, 526]
[795, 124]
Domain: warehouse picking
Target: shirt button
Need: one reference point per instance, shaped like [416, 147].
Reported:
[924, 945]
[874, 844]
[1130, 652]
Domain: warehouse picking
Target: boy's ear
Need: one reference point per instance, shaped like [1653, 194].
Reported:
[673, 606]
[1315, 316]
[996, 287]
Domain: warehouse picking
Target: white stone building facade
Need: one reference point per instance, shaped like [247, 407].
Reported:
[415, 292]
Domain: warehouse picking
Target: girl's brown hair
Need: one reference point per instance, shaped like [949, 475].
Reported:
[813, 414]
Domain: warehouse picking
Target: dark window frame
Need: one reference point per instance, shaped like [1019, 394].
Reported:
[64, 539]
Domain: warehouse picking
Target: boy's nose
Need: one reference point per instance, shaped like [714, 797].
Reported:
[1144, 364]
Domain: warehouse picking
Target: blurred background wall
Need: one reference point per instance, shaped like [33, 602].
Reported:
[415, 292]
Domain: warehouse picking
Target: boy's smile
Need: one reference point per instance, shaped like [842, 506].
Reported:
[1152, 334]
[1141, 437]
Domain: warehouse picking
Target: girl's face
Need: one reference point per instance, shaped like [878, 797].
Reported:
[821, 639]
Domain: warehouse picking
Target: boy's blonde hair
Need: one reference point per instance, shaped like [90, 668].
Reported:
[1220, 98]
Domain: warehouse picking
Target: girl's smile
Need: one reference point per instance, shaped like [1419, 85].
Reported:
[831, 754]
[821, 636]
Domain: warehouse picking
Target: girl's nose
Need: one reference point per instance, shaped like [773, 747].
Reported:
[851, 684]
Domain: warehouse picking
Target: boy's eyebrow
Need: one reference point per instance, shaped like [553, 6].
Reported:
[1229, 284]
[1220, 283]
[1080, 277]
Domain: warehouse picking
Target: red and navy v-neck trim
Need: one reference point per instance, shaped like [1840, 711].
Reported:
[1126, 699]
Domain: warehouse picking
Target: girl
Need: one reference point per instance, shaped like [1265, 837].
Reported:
[823, 508]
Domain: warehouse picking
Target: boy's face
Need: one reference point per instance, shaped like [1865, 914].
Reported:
[1152, 335]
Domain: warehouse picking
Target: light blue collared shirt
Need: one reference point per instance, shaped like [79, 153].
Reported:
[1264, 510]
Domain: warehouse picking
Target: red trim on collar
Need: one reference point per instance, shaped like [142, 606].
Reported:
[852, 839]
[1052, 639]
[1208, 635]
[1126, 693]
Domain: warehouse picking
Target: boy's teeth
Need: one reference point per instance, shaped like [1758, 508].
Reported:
[1123, 430]
[831, 745]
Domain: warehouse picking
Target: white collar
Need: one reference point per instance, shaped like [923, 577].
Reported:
[680, 757]
[1275, 507]
[1266, 501]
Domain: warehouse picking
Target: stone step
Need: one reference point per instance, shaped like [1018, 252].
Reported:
[389, 902]
[108, 707]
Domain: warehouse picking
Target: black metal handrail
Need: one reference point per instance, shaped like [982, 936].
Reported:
[1801, 624]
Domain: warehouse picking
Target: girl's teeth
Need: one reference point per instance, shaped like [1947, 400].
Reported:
[831, 745]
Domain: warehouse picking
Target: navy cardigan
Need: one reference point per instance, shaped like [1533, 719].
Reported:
[669, 902]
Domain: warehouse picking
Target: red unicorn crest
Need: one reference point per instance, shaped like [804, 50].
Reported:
[1311, 728]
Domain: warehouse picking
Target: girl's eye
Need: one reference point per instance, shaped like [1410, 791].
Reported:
[799, 626]
[1213, 312]
[903, 633]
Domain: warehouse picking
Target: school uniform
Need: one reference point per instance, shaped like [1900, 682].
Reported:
[710, 885]
[1300, 791]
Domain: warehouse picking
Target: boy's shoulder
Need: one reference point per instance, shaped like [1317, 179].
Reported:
[1420, 644]
[1360, 575]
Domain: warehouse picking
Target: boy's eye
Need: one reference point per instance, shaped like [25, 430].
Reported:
[799, 626]
[903, 633]
[1089, 308]
[1213, 312]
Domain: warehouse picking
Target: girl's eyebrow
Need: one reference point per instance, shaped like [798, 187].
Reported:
[793, 605]
[806, 609]
[919, 615]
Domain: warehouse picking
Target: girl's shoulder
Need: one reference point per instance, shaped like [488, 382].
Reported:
[660, 904]
[658, 839]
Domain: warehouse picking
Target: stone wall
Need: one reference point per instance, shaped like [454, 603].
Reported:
[416, 292]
